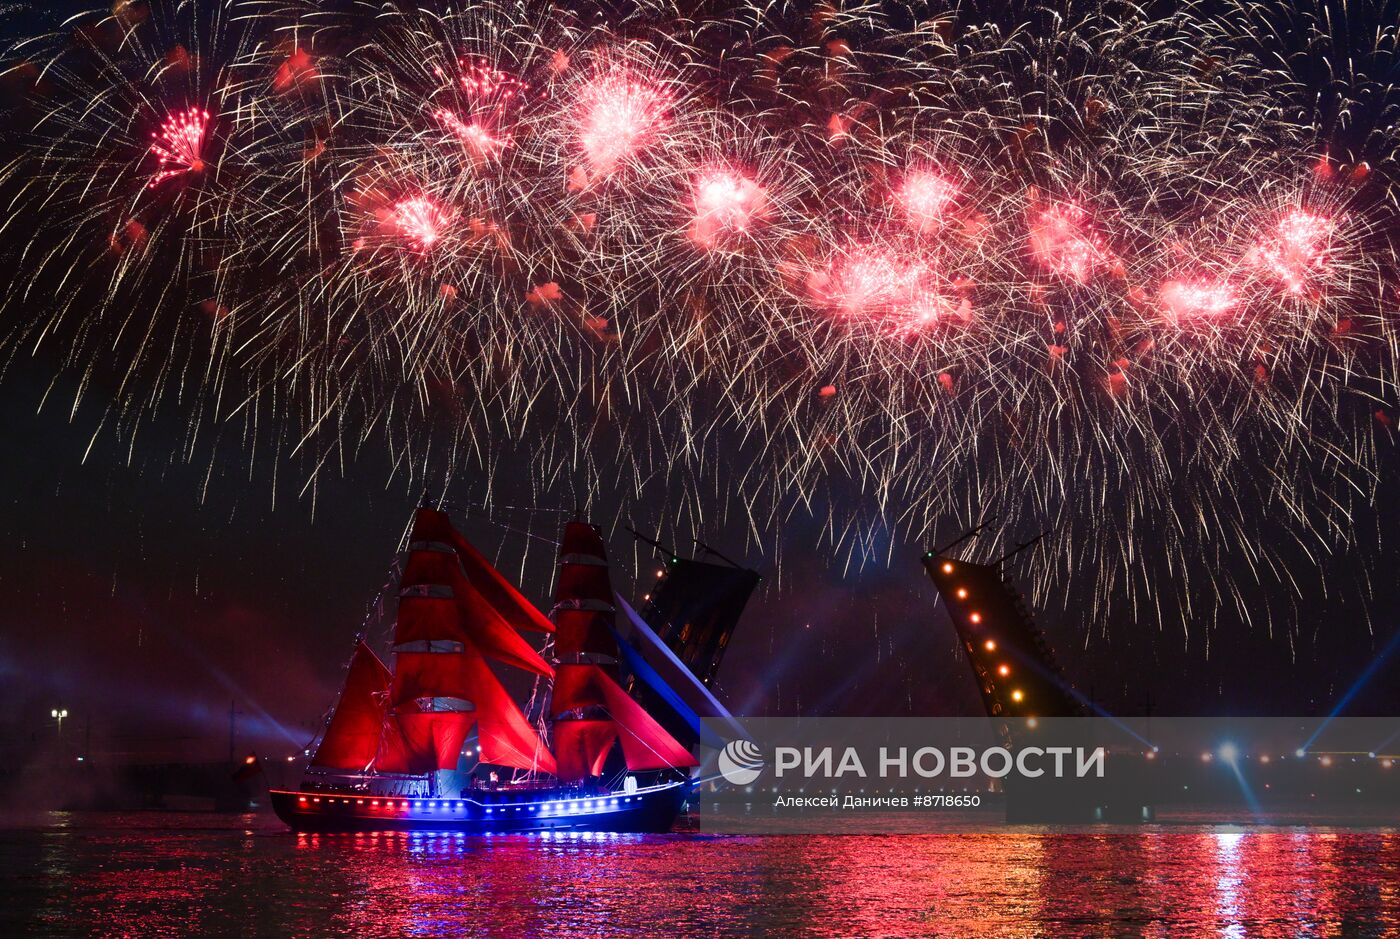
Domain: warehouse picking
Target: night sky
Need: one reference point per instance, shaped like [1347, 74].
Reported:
[146, 603]
[146, 593]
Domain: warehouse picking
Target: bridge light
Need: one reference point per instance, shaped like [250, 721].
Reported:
[990, 645]
[947, 568]
[1017, 695]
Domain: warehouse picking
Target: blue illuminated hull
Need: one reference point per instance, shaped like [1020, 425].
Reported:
[651, 809]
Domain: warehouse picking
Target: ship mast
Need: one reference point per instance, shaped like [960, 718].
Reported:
[589, 709]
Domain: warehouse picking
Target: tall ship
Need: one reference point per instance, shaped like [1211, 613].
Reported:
[437, 742]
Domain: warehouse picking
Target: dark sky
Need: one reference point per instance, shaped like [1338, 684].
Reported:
[146, 602]
[145, 595]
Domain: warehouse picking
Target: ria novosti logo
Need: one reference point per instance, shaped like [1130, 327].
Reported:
[740, 762]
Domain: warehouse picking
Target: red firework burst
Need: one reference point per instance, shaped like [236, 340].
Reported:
[476, 138]
[925, 196]
[1185, 300]
[620, 116]
[179, 145]
[901, 293]
[483, 125]
[421, 221]
[1295, 249]
[1063, 242]
[725, 203]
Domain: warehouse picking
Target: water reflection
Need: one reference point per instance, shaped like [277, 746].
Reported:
[139, 876]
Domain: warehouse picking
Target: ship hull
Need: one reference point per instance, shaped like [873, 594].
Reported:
[652, 809]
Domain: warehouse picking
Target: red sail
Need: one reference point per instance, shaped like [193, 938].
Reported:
[582, 541]
[583, 608]
[463, 619]
[589, 691]
[582, 742]
[431, 526]
[575, 689]
[429, 567]
[507, 739]
[584, 632]
[423, 741]
[353, 735]
[584, 581]
[581, 748]
[491, 633]
[427, 619]
[436, 675]
[645, 743]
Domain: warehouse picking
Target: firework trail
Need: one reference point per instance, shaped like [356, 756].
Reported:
[1106, 273]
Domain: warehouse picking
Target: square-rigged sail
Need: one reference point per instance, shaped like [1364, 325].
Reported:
[590, 710]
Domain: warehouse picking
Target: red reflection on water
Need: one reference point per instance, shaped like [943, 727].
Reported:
[138, 876]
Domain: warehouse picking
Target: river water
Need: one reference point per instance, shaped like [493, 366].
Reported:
[150, 875]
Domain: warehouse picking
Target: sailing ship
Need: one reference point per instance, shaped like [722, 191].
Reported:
[594, 759]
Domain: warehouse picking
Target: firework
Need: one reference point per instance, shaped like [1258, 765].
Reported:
[1063, 241]
[925, 197]
[619, 116]
[180, 146]
[1295, 250]
[727, 204]
[835, 250]
[1184, 300]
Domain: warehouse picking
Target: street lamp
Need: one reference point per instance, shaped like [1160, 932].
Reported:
[59, 714]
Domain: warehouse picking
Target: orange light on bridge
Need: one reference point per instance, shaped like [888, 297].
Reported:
[990, 645]
[1017, 695]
